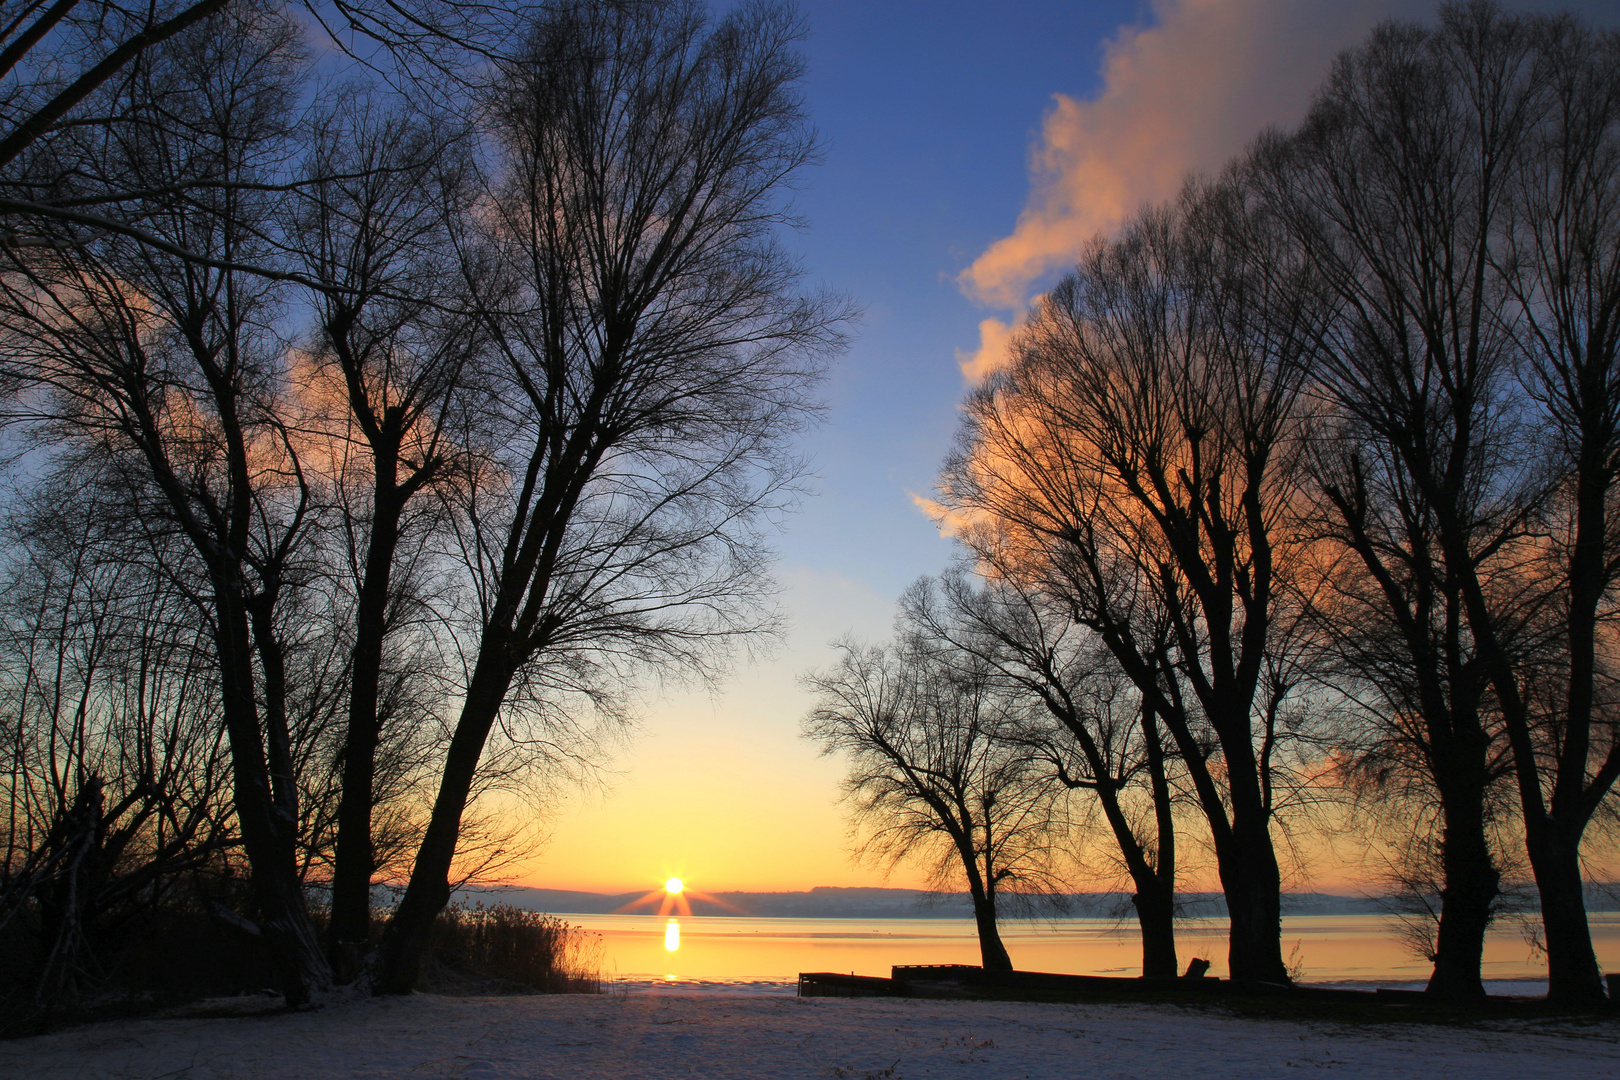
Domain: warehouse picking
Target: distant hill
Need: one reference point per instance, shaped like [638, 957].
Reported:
[821, 902]
[827, 902]
[830, 902]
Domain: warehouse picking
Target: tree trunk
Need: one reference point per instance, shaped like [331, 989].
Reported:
[1154, 879]
[273, 877]
[405, 939]
[1155, 892]
[1244, 856]
[277, 731]
[992, 953]
[1252, 884]
[354, 859]
[1156, 914]
[1471, 881]
[1156, 903]
[1553, 839]
[1573, 977]
[1239, 816]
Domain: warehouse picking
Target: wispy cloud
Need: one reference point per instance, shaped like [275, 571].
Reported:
[1186, 93]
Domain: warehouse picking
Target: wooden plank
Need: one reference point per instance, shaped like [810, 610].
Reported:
[837, 984]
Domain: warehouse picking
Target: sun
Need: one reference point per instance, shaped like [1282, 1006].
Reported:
[674, 896]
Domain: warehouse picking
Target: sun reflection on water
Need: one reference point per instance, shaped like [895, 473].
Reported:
[672, 935]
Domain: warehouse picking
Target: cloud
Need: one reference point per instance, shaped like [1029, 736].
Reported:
[995, 342]
[1186, 93]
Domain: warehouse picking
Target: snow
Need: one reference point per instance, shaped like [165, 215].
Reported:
[766, 1037]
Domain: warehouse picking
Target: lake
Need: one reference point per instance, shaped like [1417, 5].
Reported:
[643, 952]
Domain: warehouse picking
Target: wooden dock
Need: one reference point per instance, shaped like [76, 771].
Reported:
[968, 981]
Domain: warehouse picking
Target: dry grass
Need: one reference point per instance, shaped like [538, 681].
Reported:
[503, 949]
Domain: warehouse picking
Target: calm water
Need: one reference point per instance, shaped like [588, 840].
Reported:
[644, 951]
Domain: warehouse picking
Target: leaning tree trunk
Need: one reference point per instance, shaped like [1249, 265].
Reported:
[981, 889]
[1155, 897]
[1244, 856]
[405, 939]
[1552, 838]
[992, 953]
[1155, 885]
[1553, 835]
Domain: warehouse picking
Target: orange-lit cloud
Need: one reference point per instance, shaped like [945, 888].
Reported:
[1185, 94]
[995, 344]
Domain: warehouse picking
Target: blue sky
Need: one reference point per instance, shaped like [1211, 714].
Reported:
[928, 111]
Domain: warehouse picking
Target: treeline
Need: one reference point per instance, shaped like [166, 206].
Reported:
[1301, 486]
[387, 389]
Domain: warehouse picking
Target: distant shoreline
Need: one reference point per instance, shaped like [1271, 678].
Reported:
[831, 902]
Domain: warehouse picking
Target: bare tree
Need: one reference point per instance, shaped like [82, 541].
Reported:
[1456, 190]
[1389, 600]
[1562, 269]
[171, 370]
[116, 784]
[1109, 740]
[652, 362]
[1425, 729]
[53, 58]
[1140, 457]
[375, 230]
[1421, 743]
[942, 769]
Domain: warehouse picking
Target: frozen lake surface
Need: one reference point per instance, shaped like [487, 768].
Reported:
[644, 952]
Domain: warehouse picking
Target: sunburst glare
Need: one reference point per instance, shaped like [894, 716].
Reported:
[675, 897]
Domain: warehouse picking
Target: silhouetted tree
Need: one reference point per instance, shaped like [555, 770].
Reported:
[1108, 741]
[1456, 189]
[1562, 268]
[1139, 460]
[652, 361]
[54, 58]
[374, 228]
[942, 769]
[169, 370]
[68, 68]
[116, 784]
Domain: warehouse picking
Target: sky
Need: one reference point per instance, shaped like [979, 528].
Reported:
[972, 148]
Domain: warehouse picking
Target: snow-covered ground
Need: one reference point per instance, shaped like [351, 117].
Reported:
[763, 1037]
